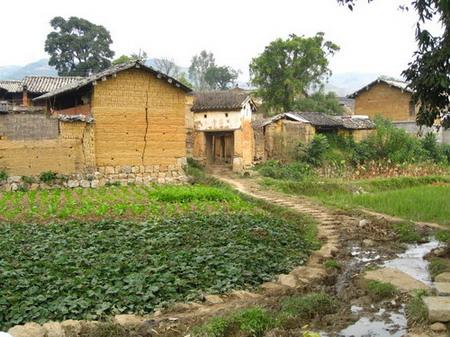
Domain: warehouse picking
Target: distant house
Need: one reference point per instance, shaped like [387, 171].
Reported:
[386, 98]
[277, 137]
[222, 130]
[23, 92]
[130, 117]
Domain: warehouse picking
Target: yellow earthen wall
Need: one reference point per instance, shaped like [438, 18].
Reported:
[139, 120]
[381, 99]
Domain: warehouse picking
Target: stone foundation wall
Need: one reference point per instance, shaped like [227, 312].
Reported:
[104, 176]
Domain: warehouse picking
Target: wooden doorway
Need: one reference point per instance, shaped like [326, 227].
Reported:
[220, 148]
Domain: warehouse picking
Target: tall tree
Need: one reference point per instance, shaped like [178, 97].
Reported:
[320, 102]
[78, 47]
[167, 67]
[287, 68]
[220, 78]
[199, 66]
[428, 73]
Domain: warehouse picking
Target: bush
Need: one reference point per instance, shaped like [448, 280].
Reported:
[276, 170]
[380, 290]
[313, 153]
[407, 233]
[254, 321]
[308, 306]
[47, 177]
[416, 312]
[332, 264]
[3, 175]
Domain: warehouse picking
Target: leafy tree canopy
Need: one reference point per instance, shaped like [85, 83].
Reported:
[141, 56]
[220, 78]
[320, 102]
[78, 47]
[287, 68]
[428, 73]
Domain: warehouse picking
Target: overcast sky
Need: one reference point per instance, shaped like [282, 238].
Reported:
[375, 38]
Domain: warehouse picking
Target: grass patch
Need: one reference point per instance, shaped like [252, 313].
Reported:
[198, 240]
[416, 312]
[380, 290]
[443, 236]
[307, 306]
[438, 266]
[251, 322]
[407, 233]
[332, 265]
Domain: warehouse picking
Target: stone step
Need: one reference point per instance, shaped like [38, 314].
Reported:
[442, 288]
[444, 277]
[438, 308]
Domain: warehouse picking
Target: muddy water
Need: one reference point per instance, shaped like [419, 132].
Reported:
[385, 322]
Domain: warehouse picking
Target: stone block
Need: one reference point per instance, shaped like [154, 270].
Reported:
[442, 288]
[28, 330]
[213, 299]
[438, 308]
[135, 169]
[85, 183]
[73, 183]
[444, 277]
[54, 329]
[109, 170]
[128, 321]
[94, 183]
[126, 169]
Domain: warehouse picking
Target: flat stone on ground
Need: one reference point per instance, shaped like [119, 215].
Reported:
[54, 329]
[28, 330]
[444, 277]
[438, 327]
[287, 280]
[442, 288]
[400, 280]
[213, 299]
[128, 321]
[438, 308]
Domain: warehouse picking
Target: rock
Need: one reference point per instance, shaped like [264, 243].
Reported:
[368, 243]
[73, 183]
[287, 280]
[85, 183]
[28, 330]
[157, 313]
[128, 321]
[438, 327]
[109, 170]
[444, 277]
[244, 295]
[442, 288]
[54, 329]
[438, 308]
[71, 327]
[126, 169]
[213, 299]
[400, 280]
[14, 179]
[363, 223]
[94, 183]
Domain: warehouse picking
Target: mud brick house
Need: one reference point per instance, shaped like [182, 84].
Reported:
[277, 137]
[222, 130]
[11, 91]
[126, 123]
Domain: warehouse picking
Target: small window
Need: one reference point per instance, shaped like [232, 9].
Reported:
[226, 114]
[205, 116]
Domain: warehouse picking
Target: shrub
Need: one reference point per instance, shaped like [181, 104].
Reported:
[313, 153]
[443, 236]
[28, 180]
[3, 175]
[308, 306]
[438, 266]
[406, 232]
[433, 150]
[416, 312]
[332, 264]
[276, 170]
[216, 327]
[254, 321]
[380, 290]
[47, 177]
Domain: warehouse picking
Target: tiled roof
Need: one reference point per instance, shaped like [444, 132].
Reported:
[75, 85]
[357, 122]
[392, 83]
[220, 100]
[45, 84]
[11, 86]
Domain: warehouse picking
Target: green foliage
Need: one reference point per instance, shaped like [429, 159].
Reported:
[406, 232]
[77, 46]
[287, 68]
[381, 290]
[438, 266]
[47, 177]
[28, 180]
[215, 327]
[89, 270]
[254, 321]
[443, 236]
[416, 311]
[142, 57]
[332, 264]
[220, 78]
[314, 152]
[433, 150]
[320, 102]
[3, 175]
[307, 306]
[277, 170]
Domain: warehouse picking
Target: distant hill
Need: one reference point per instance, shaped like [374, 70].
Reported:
[341, 83]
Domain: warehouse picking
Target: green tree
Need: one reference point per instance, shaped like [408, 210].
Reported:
[183, 79]
[288, 68]
[220, 78]
[141, 56]
[320, 102]
[199, 66]
[428, 73]
[78, 47]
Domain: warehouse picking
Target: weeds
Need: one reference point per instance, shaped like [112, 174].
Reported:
[406, 232]
[438, 266]
[332, 265]
[3, 175]
[47, 177]
[416, 311]
[381, 290]
[443, 236]
[307, 306]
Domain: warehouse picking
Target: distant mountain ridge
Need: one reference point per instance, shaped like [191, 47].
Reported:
[341, 83]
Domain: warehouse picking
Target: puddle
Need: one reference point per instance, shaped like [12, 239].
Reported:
[387, 323]
[412, 261]
[394, 325]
